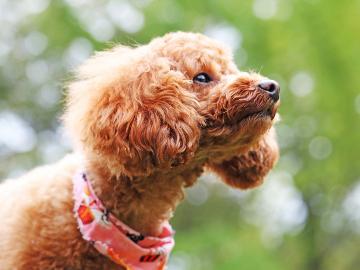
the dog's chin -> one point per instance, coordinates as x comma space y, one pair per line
254, 125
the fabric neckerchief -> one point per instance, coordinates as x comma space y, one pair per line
113, 238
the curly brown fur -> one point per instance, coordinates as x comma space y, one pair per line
143, 130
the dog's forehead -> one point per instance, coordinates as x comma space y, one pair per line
195, 52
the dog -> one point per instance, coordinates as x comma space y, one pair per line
145, 122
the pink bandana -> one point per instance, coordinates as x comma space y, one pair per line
113, 238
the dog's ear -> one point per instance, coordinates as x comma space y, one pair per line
247, 170
137, 115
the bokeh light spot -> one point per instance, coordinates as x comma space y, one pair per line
197, 194
357, 104
125, 16
101, 29
35, 6
78, 51
351, 207
35, 43
265, 9
279, 205
37, 71
305, 126
226, 34
301, 84
16, 134
320, 147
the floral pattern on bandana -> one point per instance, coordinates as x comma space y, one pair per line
113, 238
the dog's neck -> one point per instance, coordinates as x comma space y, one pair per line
143, 203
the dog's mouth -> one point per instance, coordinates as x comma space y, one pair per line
267, 113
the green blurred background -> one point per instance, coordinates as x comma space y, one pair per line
307, 214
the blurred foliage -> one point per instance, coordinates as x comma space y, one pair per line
306, 216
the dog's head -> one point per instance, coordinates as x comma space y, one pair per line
162, 105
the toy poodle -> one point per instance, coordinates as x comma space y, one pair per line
145, 123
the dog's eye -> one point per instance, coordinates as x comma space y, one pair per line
202, 78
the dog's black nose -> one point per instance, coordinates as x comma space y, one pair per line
271, 87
